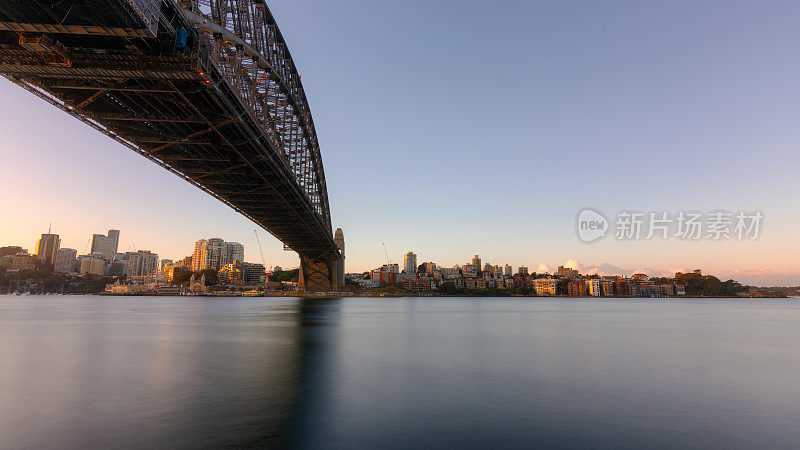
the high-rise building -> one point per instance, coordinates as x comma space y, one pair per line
214, 254
410, 263
199, 256
476, 261
47, 246
166, 263
509, 271
523, 270
143, 262
106, 244
233, 252
65, 260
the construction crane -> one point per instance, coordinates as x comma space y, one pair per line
258, 241
387, 255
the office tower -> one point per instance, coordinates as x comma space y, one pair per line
47, 246
107, 245
410, 263
65, 260
233, 252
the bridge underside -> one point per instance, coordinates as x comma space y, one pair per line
171, 104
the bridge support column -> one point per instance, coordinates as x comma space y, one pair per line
319, 273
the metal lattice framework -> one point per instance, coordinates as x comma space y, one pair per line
249, 49
207, 89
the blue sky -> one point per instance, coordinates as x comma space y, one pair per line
454, 128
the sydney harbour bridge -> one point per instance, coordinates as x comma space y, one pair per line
207, 89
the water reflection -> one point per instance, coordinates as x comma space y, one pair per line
390, 373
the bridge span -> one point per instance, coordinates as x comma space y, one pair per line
206, 89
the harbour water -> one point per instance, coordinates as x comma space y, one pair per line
181, 372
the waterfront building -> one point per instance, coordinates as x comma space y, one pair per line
47, 246
577, 288
107, 245
624, 288
607, 288
593, 287
254, 273
509, 271
410, 263
545, 286
523, 270
197, 286
65, 260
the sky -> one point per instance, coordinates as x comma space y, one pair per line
453, 128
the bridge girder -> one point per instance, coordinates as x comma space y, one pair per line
227, 113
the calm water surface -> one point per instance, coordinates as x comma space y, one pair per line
173, 372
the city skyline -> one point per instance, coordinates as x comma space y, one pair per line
717, 110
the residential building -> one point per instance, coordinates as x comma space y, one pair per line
448, 273
141, 263
214, 254
418, 285
523, 270
254, 273
545, 286
567, 272
593, 287
509, 271
47, 246
607, 288
470, 270
166, 263
577, 288
199, 256
476, 261
233, 252
410, 263
65, 260
232, 274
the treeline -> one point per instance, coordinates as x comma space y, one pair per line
45, 281
706, 285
